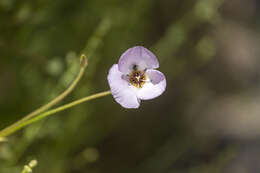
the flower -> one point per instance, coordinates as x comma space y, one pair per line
134, 78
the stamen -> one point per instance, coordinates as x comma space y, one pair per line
137, 78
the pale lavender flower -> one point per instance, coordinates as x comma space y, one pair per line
134, 78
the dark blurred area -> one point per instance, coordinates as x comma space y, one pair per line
207, 121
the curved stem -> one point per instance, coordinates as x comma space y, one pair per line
45, 107
51, 112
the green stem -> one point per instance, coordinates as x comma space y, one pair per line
51, 112
45, 107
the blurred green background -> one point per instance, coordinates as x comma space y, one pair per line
207, 121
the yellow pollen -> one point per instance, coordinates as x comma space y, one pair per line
137, 78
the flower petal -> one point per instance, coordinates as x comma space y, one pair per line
139, 57
121, 90
154, 88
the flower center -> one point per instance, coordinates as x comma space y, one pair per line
137, 78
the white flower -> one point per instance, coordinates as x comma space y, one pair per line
134, 78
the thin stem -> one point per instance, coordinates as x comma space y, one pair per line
51, 112
45, 107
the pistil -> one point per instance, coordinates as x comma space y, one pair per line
137, 78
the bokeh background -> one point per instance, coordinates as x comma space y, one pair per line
207, 121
